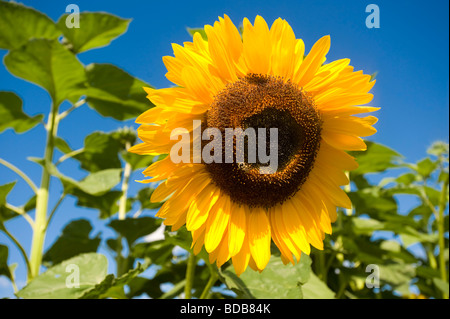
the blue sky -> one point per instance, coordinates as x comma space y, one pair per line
410, 52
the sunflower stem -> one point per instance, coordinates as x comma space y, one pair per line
441, 231
190, 271
212, 280
125, 183
40, 222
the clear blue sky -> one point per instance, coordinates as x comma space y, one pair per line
410, 51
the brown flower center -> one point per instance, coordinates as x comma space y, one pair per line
265, 102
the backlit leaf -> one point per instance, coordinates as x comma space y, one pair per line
50, 65
97, 29
12, 115
19, 23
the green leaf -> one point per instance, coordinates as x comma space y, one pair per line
138, 161
426, 166
157, 251
48, 64
141, 285
202, 32
366, 225
4, 191
377, 158
113, 287
105, 203
20, 23
100, 152
96, 184
438, 148
12, 115
144, 195
441, 285
5, 213
73, 241
135, 228
100, 182
62, 145
316, 289
115, 93
397, 274
4, 269
53, 284
97, 29
266, 285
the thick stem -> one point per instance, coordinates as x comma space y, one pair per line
190, 270
441, 230
40, 222
212, 280
125, 183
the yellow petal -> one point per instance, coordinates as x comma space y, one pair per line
217, 222
259, 236
237, 228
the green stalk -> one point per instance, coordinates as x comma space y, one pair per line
125, 183
212, 279
190, 270
441, 230
40, 222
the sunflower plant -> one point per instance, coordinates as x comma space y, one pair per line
325, 223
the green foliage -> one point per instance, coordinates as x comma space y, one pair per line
12, 115
113, 92
98, 30
4, 269
73, 241
50, 65
57, 283
266, 285
410, 248
33, 24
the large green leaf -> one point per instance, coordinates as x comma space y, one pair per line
316, 289
105, 203
100, 152
12, 115
59, 282
4, 269
96, 184
266, 285
19, 23
112, 286
157, 251
137, 161
73, 241
115, 93
135, 228
97, 29
50, 65
426, 166
377, 158
143, 197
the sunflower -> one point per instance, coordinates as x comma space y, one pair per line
262, 79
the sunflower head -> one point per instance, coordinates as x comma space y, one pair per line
255, 93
